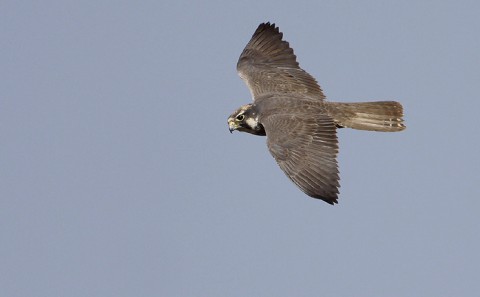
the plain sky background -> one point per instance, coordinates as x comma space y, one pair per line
118, 176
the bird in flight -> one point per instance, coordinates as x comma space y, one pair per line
289, 108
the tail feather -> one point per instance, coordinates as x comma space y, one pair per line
385, 116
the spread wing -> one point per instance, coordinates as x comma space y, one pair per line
268, 65
306, 148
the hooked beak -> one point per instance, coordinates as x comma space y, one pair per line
231, 126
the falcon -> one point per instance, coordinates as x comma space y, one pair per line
289, 108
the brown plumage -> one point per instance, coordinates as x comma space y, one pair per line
290, 109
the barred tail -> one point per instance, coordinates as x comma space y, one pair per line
385, 116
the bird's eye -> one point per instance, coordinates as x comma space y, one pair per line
240, 117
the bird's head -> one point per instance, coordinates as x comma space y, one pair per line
245, 119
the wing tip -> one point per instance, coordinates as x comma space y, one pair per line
331, 197
267, 26
329, 200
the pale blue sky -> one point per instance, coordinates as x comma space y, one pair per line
119, 177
